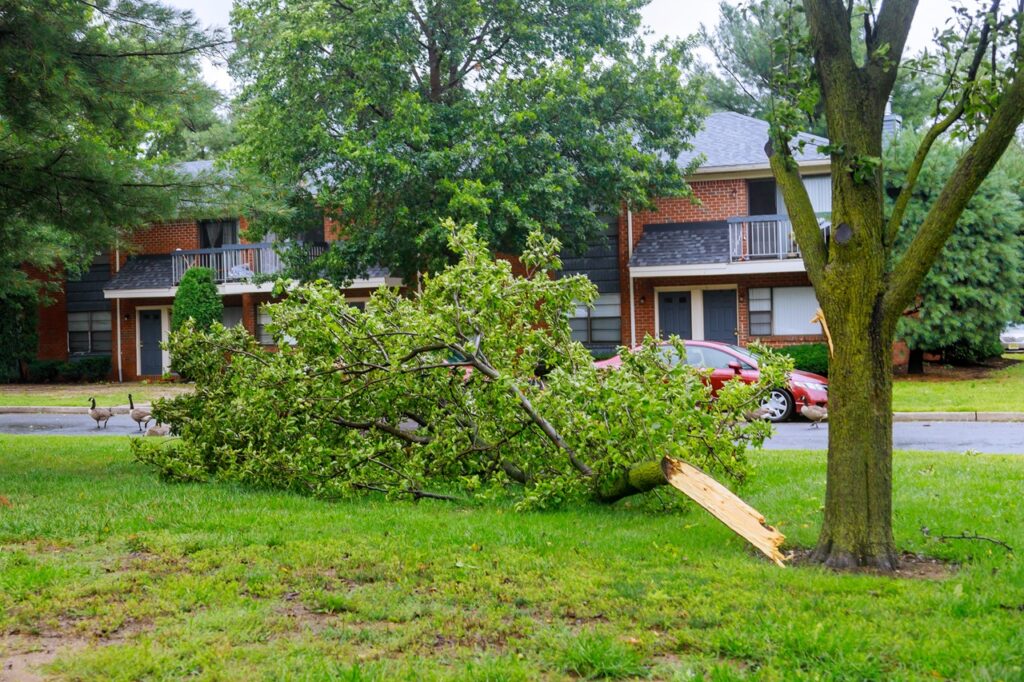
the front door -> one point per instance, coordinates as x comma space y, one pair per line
151, 332
674, 314
720, 315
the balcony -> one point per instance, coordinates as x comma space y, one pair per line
236, 262
765, 237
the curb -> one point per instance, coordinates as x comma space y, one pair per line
54, 409
958, 417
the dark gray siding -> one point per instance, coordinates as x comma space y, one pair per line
86, 293
599, 262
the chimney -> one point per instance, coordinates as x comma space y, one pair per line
891, 123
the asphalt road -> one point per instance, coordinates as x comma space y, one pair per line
988, 437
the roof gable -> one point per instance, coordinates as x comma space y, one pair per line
729, 140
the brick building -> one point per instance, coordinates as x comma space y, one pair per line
122, 305
723, 268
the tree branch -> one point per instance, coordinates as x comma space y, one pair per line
941, 219
900, 207
801, 214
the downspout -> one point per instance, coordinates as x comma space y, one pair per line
629, 257
117, 301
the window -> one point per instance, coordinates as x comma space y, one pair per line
760, 312
262, 335
231, 316
602, 324
213, 234
89, 332
782, 311
263, 319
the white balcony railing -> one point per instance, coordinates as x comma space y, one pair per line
765, 237
236, 262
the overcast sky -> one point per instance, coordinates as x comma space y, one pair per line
678, 18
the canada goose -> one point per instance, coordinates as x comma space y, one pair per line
100, 414
754, 415
158, 430
140, 416
815, 413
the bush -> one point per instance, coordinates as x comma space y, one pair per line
971, 352
18, 336
810, 357
88, 369
197, 299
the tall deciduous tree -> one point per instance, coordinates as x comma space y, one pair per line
83, 87
863, 287
513, 115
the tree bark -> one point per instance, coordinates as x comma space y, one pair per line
639, 478
857, 528
915, 361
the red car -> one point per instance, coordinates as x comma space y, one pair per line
727, 362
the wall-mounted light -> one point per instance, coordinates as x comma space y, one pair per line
127, 317
643, 299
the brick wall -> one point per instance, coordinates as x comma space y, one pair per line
52, 323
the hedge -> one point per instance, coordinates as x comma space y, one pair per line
87, 369
809, 357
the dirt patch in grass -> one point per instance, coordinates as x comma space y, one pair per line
24, 655
911, 566
934, 371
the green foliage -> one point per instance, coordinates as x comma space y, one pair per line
197, 300
18, 337
810, 357
86, 87
977, 284
440, 391
516, 116
86, 369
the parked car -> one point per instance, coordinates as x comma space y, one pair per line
1012, 338
728, 362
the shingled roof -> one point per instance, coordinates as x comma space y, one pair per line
143, 272
729, 139
682, 244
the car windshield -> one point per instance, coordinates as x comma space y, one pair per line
745, 354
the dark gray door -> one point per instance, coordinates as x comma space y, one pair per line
674, 314
720, 316
150, 334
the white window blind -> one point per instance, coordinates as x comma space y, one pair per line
793, 309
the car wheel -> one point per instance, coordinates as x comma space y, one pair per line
779, 404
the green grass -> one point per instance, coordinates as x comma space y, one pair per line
1001, 391
77, 395
145, 580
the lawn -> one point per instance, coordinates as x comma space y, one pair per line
1001, 390
77, 395
129, 578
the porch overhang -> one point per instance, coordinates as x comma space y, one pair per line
738, 269
235, 288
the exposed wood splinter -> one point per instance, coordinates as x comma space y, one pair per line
725, 506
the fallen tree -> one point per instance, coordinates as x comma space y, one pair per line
472, 385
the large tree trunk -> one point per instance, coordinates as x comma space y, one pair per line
857, 530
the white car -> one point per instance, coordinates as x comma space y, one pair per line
1012, 338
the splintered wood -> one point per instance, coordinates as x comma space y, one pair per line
725, 506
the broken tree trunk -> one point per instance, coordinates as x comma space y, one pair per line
725, 506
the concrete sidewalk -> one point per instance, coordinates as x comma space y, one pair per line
897, 416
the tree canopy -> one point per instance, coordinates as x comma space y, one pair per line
977, 284
512, 115
84, 86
